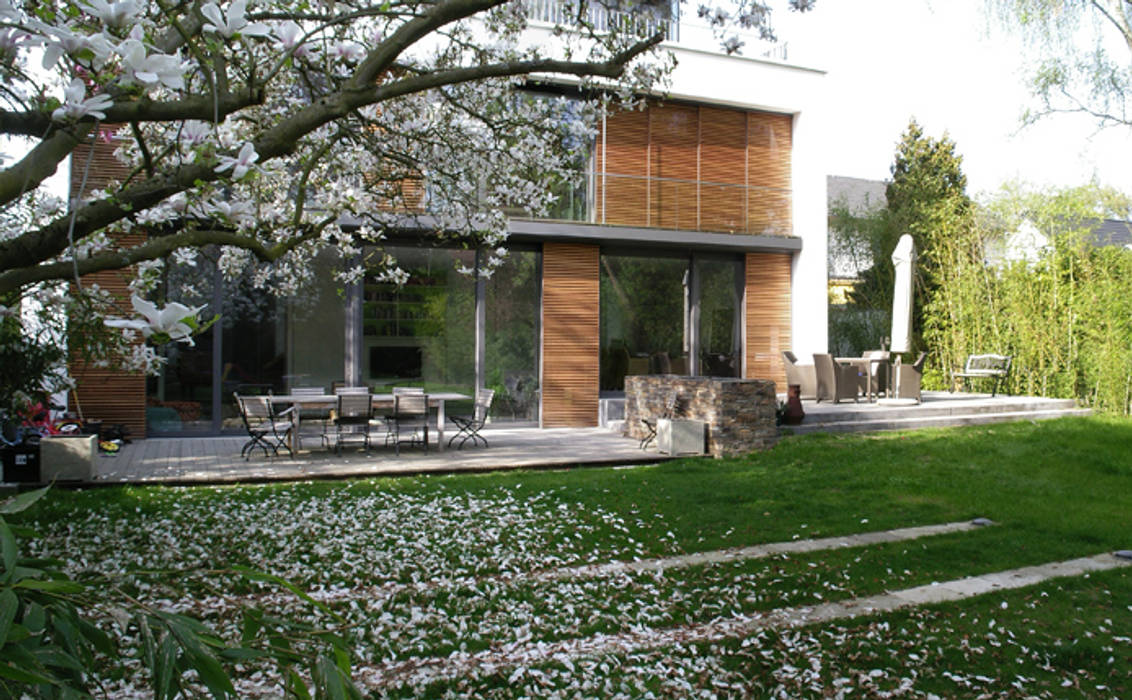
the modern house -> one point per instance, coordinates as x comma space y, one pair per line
697, 247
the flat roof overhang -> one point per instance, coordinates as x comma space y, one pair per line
530, 230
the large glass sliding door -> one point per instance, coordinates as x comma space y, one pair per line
244, 352
443, 331
669, 314
181, 399
718, 315
644, 309
421, 333
316, 328
511, 336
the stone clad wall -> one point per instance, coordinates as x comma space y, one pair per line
740, 413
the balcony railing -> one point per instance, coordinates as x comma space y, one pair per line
672, 203
643, 20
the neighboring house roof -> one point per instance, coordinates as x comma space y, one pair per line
1113, 232
860, 195
1026, 243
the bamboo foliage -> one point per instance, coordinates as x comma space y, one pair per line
1064, 313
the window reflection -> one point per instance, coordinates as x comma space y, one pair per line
423, 332
644, 306
511, 297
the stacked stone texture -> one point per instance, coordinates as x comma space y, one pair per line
739, 413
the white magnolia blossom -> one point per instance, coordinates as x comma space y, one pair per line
234, 22
114, 14
169, 321
76, 107
241, 163
290, 35
151, 69
59, 42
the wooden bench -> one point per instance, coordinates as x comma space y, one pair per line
993, 367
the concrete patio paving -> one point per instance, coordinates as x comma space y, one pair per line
182, 460
211, 460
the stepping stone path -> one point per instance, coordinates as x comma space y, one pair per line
486, 662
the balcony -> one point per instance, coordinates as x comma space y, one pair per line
670, 203
644, 19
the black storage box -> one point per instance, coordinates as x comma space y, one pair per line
21, 463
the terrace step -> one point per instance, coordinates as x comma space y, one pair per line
876, 423
933, 407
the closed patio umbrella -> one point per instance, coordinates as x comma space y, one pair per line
903, 258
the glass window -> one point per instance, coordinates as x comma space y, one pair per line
644, 307
720, 287
179, 400
511, 336
421, 333
316, 328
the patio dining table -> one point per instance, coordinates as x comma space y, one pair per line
864, 366
435, 400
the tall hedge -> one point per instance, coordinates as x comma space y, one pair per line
1064, 312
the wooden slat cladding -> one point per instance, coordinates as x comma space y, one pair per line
674, 166
723, 170
767, 316
570, 335
104, 167
769, 144
109, 395
625, 160
705, 169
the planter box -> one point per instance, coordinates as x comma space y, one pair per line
21, 463
69, 458
680, 437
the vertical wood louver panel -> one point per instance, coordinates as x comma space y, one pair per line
768, 212
674, 166
104, 167
767, 316
623, 158
723, 170
570, 335
696, 168
768, 149
109, 395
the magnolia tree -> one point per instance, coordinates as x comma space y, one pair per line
274, 129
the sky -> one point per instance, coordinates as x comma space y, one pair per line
945, 64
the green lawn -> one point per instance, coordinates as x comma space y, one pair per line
430, 567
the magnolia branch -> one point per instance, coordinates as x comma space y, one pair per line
154, 249
40, 163
203, 108
48, 242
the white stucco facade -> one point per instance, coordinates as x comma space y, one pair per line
750, 83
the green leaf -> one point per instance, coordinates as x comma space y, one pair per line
165, 669
334, 684
242, 654
51, 656
23, 675
342, 659
20, 503
202, 660
253, 623
9, 550
254, 575
9, 606
51, 586
35, 618
99, 639
296, 686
